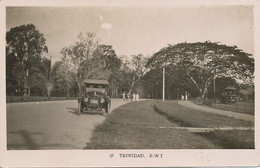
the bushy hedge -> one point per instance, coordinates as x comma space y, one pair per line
11, 99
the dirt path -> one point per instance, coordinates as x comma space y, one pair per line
50, 125
245, 117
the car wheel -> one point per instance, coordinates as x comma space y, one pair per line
79, 108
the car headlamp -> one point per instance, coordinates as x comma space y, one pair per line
102, 100
86, 99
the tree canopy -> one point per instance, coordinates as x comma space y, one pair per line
24, 48
87, 59
190, 67
203, 61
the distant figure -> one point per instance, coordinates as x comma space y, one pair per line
123, 96
182, 97
128, 96
134, 98
137, 97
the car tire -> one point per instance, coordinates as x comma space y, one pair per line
79, 108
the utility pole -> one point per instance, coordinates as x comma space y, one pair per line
163, 83
214, 84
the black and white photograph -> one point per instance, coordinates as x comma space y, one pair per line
129, 84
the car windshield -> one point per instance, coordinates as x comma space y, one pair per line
95, 89
93, 93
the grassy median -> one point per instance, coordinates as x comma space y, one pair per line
232, 139
149, 125
195, 118
137, 126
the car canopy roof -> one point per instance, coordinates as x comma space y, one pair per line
95, 81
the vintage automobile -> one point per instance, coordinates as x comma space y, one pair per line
229, 95
94, 98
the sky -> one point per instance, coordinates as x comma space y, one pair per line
134, 30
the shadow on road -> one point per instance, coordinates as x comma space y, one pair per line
75, 111
28, 140
23, 140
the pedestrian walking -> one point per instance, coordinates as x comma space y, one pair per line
182, 97
124, 96
137, 97
134, 98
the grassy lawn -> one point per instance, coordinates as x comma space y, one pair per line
194, 118
246, 107
233, 139
136, 126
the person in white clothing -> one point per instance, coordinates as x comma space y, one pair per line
134, 97
137, 97
124, 96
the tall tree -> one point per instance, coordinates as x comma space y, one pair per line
62, 77
82, 59
76, 55
46, 75
26, 44
137, 69
108, 56
111, 64
204, 61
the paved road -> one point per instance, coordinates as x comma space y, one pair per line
50, 125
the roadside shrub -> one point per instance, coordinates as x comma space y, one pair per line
12, 99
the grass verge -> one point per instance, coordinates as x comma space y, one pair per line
233, 139
137, 126
244, 107
194, 118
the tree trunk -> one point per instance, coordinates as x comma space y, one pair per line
80, 87
156, 96
68, 91
24, 78
79, 83
29, 91
205, 89
29, 88
178, 90
195, 83
133, 83
116, 92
